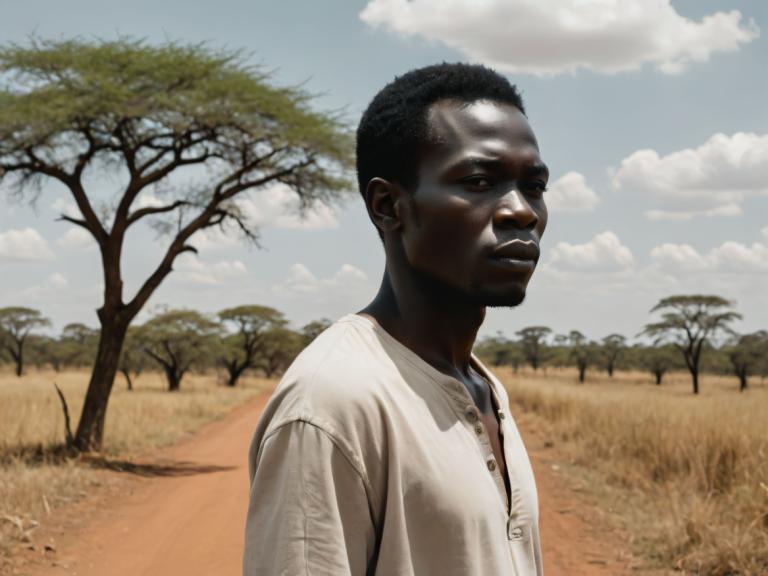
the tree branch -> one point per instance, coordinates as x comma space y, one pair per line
75, 221
151, 210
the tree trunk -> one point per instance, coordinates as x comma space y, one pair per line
234, 371
610, 370
582, 371
128, 379
659, 375
742, 380
174, 379
19, 364
90, 430
695, 379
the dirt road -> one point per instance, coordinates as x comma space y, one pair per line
183, 513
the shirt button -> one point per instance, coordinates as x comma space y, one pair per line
516, 533
479, 429
491, 465
501, 415
471, 415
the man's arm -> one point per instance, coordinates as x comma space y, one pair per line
308, 512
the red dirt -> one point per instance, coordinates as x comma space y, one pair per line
182, 512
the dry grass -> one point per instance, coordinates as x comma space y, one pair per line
686, 476
34, 474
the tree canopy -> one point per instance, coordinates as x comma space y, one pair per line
690, 321
177, 340
16, 324
74, 108
241, 350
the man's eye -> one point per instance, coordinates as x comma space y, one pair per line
536, 187
478, 181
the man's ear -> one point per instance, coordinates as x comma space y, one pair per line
383, 199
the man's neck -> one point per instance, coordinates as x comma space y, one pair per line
439, 328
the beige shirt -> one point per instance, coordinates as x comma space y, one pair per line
369, 461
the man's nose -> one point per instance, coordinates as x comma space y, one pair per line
514, 210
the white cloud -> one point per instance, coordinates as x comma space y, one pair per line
57, 280
191, 269
711, 180
603, 253
148, 200
546, 37
301, 281
278, 206
76, 238
729, 257
52, 286
66, 207
216, 238
24, 245
570, 193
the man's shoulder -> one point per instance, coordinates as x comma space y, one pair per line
340, 375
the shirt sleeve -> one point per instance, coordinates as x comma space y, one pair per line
308, 510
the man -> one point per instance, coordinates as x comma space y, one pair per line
388, 448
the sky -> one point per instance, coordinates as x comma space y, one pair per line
652, 116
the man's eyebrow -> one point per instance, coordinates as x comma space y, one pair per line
473, 161
538, 169
490, 163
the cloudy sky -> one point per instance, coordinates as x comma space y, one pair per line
652, 115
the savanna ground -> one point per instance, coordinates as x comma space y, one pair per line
36, 477
631, 475
684, 477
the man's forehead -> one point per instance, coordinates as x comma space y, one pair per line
453, 121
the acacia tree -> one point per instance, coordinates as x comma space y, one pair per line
312, 330
612, 348
177, 340
659, 360
241, 350
532, 342
745, 353
690, 322
133, 358
281, 346
70, 109
580, 350
77, 344
16, 324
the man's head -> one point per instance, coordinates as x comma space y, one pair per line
451, 175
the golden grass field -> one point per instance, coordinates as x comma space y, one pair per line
685, 477
34, 478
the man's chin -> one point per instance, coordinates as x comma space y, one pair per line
506, 299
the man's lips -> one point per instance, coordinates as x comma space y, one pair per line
517, 250
517, 255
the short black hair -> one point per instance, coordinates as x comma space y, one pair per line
394, 127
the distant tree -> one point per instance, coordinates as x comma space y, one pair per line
177, 340
241, 349
498, 350
312, 330
16, 324
581, 351
612, 348
533, 342
659, 360
133, 358
78, 344
690, 322
281, 347
71, 107
745, 353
